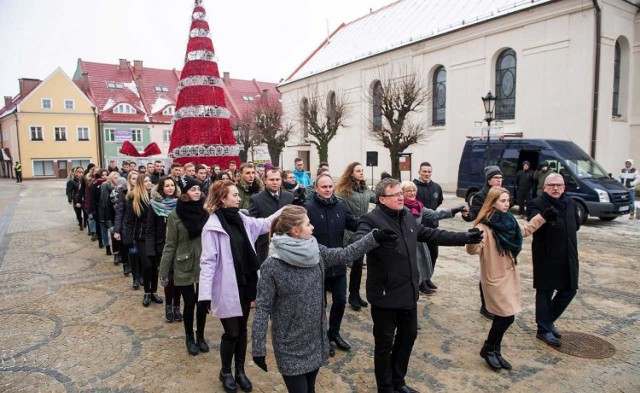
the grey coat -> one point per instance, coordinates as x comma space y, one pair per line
294, 299
425, 264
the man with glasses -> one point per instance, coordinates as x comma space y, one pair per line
392, 281
493, 177
555, 257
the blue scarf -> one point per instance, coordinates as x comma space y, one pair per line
164, 207
507, 233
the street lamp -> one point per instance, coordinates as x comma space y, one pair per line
489, 102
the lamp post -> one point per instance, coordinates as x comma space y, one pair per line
489, 102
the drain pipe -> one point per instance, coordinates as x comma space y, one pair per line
596, 79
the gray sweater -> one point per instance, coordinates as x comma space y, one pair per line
294, 299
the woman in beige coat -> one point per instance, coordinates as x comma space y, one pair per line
500, 279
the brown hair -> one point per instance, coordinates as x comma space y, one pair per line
346, 184
246, 165
487, 210
291, 217
160, 187
218, 191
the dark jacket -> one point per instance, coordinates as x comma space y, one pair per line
134, 227
155, 234
94, 201
117, 201
392, 272
155, 177
329, 221
476, 203
263, 205
430, 194
73, 187
555, 247
104, 202
524, 180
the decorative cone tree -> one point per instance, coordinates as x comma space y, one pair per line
202, 131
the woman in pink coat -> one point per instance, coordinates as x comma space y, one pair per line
229, 275
500, 279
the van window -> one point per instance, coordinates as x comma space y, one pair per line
585, 168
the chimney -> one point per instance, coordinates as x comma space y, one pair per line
7, 101
226, 77
26, 85
265, 94
85, 81
123, 64
137, 67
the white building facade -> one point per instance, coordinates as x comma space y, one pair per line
539, 57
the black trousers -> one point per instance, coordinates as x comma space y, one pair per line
498, 329
394, 332
233, 345
481, 295
190, 297
355, 277
549, 307
171, 292
523, 197
338, 287
79, 212
433, 251
150, 266
135, 260
305, 383
19, 177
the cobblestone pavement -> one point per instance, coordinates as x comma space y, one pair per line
70, 321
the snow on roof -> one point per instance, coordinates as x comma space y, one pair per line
159, 104
399, 24
109, 104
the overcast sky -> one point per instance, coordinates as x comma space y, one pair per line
258, 39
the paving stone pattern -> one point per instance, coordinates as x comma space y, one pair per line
70, 321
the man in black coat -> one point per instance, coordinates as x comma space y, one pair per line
555, 257
267, 202
524, 185
392, 282
329, 218
158, 172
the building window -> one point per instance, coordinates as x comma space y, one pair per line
439, 93
247, 98
83, 133
169, 111
69, 104
376, 105
166, 136
161, 89
136, 135
47, 103
616, 81
115, 85
60, 133
109, 135
124, 108
80, 163
506, 85
36, 133
43, 168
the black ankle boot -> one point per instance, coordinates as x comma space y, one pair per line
168, 313
240, 356
192, 348
126, 269
202, 345
503, 362
116, 259
109, 250
354, 303
242, 380
227, 350
228, 384
488, 352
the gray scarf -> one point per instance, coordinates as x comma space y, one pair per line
296, 252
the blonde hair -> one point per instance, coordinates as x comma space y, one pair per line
487, 210
408, 184
291, 217
112, 178
130, 185
139, 195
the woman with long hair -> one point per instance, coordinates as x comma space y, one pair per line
353, 191
181, 255
103, 192
73, 188
229, 275
163, 202
499, 276
118, 224
291, 295
84, 200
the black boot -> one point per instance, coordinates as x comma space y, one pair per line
177, 315
503, 362
361, 301
240, 356
192, 348
109, 250
202, 345
227, 349
488, 352
116, 259
168, 313
126, 269
354, 303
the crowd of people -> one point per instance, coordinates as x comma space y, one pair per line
224, 241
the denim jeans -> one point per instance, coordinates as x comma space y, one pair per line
92, 223
632, 200
106, 238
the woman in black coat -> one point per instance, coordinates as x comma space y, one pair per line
94, 202
119, 201
73, 188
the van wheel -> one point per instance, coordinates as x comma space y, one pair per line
583, 214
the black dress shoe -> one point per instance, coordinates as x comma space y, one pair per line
332, 352
340, 343
405, 389
126, 269
424, 289
354, 303
146, 299
556, 333
549, 338
136, 284
486, 313
431, 285
156, 299
361, 301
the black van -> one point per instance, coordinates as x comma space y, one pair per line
586, 182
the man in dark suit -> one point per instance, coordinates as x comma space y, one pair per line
267, 202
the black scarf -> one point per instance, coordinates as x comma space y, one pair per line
506, 232
245, 259
332, 200
560, 204
396, 215
289, 186
193, 216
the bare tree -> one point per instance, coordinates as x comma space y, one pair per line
269, 128
245, 133
394, 100
321, 116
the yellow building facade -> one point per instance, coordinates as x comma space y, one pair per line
52, 129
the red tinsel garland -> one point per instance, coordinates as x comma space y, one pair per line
199, 67
201, 95
199, 43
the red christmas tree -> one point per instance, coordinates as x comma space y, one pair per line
202, 130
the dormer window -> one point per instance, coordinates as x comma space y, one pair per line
115, 85
169, 111
247, 98
124, 108
161, 89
